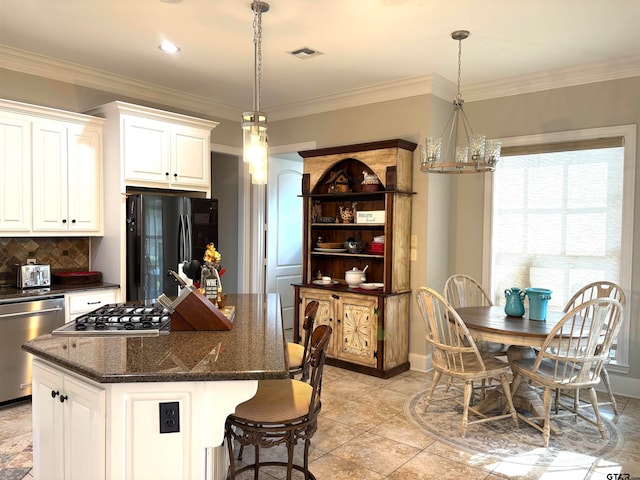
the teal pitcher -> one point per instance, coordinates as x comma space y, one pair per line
515, 305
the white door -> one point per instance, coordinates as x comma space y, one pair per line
284, 232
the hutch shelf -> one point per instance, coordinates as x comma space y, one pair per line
370, 325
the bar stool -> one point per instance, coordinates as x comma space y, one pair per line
282, 412
298, 354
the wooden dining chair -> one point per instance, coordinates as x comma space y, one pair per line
298, 354
601, 289
571, 358
282, 412
454, 353
464, 291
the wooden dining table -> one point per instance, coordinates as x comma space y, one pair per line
493, 325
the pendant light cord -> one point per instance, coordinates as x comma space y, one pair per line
257, 44
459, 95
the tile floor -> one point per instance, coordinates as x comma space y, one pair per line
363, 434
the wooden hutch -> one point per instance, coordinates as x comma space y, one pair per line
370, 325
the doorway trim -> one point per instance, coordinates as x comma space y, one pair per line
251, 217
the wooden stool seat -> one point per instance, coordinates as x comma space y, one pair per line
295, 354
277, 401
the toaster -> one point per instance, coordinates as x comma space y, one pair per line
33, 275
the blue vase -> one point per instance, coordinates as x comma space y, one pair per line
515, 305
538, 299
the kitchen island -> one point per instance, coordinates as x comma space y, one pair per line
100, 403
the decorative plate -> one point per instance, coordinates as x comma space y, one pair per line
371, 286
320, 282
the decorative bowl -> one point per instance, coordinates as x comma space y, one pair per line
354, 246
354, 277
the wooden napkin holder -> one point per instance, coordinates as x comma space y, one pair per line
194, 311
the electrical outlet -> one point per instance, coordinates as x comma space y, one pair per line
169, 417
31, 260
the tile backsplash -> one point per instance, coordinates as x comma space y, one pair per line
63, 254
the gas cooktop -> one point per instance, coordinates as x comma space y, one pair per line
120, 319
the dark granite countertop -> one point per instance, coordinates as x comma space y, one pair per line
253, 349
8, 294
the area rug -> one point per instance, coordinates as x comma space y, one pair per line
13, 473
579, 444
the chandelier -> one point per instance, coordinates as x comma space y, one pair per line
254, 123
444, 155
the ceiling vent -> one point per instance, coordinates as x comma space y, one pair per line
305, 53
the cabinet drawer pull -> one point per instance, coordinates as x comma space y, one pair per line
94, 303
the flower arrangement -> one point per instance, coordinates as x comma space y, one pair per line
212, 257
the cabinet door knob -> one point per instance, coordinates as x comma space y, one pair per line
73, 221
166, 173
63, 398
54, 394
175, 175
64, 220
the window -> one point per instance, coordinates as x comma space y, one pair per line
561, 215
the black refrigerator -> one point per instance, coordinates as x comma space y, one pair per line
164, 231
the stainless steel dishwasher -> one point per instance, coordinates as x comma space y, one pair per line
20, 321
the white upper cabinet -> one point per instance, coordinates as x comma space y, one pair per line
84, 179
15, 173
51, 164
160, 149
190, 157
145, 144
67, 169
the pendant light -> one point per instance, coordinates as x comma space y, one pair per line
254, 123
444, 155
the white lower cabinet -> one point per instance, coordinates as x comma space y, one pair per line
77, 304
83, 430
69, 426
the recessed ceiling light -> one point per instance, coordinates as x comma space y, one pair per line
168, 47
305, 53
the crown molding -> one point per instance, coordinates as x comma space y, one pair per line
47, 67
612, 69
408, 87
